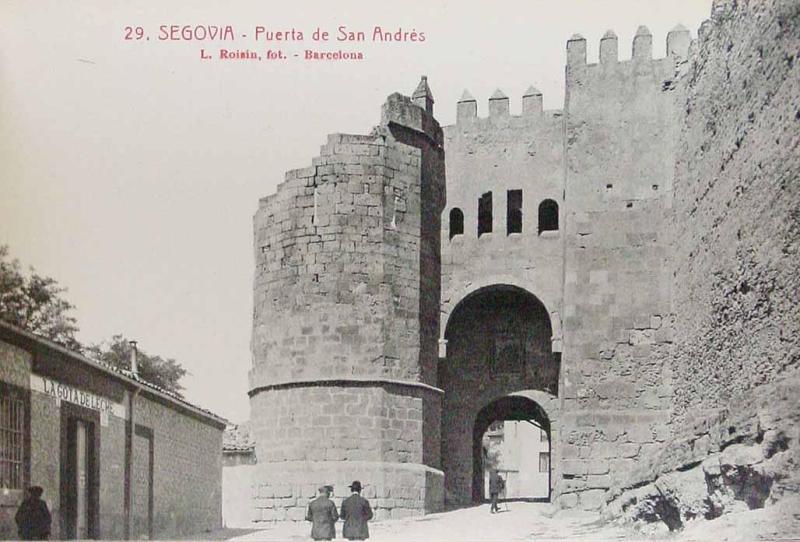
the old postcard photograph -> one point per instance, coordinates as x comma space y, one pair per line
421, 271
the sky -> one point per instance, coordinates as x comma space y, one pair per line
130, 169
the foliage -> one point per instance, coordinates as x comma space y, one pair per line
35, 303
163, 372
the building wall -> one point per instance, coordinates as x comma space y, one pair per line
15, 366
188, 451
519, 464
736, 207
187, 469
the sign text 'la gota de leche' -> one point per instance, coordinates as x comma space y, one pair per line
86, 399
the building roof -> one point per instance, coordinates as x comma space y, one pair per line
11, 332
236, 438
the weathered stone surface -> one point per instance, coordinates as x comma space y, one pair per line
662, 308
345, 316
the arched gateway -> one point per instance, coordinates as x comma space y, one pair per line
499, 365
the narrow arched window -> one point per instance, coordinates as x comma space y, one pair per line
548, 216
485, 214
456, 222
514, 211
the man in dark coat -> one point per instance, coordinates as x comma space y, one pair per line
33, 517
356, 512
322, 515
496, 486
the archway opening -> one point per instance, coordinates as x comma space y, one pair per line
499, 344
512, 436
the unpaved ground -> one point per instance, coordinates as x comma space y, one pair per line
542, 523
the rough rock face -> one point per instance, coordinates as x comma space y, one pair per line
743, 459
735, 288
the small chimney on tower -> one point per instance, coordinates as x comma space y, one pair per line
134, 360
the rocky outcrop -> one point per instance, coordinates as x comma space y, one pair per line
743, 457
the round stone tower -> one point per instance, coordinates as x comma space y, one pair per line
345, 322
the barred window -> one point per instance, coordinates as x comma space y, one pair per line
12, 428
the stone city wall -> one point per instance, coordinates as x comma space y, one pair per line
620, 143
734, 276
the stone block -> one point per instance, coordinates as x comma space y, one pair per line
597, 467
568, 501
265, 491
574, 468
592, 499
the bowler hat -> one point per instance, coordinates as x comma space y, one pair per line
355, 486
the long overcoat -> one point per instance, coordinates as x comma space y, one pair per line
322, 515
496, 483
33, 519
356, 512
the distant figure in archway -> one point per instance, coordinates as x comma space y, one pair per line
496, 486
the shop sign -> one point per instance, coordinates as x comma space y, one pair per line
64, 392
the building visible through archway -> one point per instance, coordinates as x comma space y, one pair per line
498, 345
498, 419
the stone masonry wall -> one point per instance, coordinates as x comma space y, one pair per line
737, 204
497, 153
620, 132
735, 276
355, 431
346, 314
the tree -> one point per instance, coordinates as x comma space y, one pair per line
163, 372
35, 303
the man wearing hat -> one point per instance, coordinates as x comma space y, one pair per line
33, 517
356, 512
322, 515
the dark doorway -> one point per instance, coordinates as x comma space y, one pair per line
142, 480
80, 447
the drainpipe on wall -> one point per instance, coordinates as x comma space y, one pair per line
129, 430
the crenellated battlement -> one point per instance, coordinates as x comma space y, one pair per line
587, 78
499, 108
678, 41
